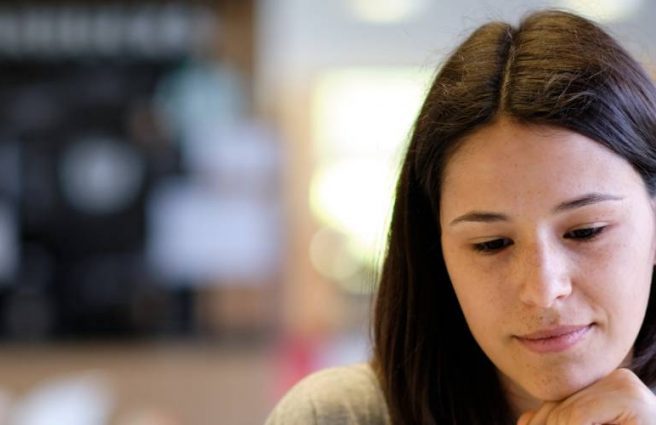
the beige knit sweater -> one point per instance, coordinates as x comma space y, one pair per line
348, 395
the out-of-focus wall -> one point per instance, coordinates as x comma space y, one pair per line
140, 211
140, 194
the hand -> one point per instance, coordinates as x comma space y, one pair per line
618, 399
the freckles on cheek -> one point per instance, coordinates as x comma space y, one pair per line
481, 297
616, 264
478, 283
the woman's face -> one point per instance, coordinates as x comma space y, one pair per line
548, 238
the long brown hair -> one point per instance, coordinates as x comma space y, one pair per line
555, 69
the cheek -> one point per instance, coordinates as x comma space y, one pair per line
618, 280
480, 293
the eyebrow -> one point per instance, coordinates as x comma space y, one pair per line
491, 217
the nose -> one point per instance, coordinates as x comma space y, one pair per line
543, 274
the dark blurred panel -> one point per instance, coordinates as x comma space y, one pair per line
82, 146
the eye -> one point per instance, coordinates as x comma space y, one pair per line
492, 246
585, 234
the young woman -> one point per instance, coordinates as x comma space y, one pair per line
517, 284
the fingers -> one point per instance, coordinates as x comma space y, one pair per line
526, 418
538, 417
619, 398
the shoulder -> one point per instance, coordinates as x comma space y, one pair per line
342, 395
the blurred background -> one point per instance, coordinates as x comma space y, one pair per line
194, 194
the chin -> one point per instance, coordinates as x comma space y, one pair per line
559, 386
555, 392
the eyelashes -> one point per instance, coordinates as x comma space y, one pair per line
587, 233
492, 246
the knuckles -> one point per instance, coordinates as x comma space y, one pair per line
622, 387
627, 383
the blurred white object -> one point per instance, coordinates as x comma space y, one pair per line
79, 400
196, 236
224, 223
603, 10
200, 95
101, 176
387, 11
246, 155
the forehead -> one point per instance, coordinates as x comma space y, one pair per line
506, 144
511, 165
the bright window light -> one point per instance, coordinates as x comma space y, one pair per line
354, 196
365, 111
362, 119
603, 10
386, 11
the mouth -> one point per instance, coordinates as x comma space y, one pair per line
553, 340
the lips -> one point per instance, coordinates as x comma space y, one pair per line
554, 339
